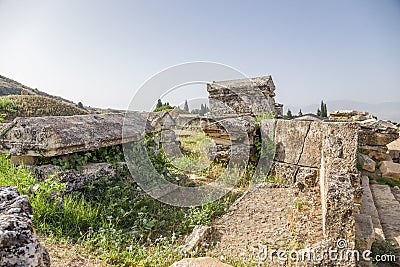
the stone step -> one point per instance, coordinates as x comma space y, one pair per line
365, 234
368, 208
389, 213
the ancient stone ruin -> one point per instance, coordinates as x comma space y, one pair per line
310, 194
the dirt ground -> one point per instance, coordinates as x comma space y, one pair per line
69, 255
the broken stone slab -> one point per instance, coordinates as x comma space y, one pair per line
350, 115
394, 150
367, 163
390, 169
377, 133
19, 246
377, 153
311, 154
289, 139
365, 234
200, 262
54, 136
74, 179
244, 96
197, 239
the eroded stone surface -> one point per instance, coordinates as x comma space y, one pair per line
74, 179
243, 96
339, 180
19, 246
390, 169
53, 136
367, 163
290, 137
350, 115
377, 153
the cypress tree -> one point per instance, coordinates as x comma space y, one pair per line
289, 114
186, 106
159, 103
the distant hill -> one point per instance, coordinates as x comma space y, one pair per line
386, 111
18, 100
12, 106
11, 87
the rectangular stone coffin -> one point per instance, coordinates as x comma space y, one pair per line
54, 136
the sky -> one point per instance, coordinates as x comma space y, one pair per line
101, 52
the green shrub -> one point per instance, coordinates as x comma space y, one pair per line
112, 217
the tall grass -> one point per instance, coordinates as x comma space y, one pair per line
112, 217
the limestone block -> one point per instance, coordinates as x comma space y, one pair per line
367, 163
290, 137
377, 133
365, 234
284, 171
54, 136
196, 239
24, 160
350, 115
74, 179
311, 154
394, 149
377, 153
19, 246
390, 169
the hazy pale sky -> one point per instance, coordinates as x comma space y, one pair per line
100, 52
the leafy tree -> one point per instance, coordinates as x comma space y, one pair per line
289, 114
186, 106
318, 112
80, 105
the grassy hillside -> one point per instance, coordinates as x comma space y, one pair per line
11, 87
13, 106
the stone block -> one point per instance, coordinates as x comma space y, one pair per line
54, 136
390, 169
19, 246
289, 138
367, 163
377, 153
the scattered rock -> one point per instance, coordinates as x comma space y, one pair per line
74, 179
350, 115
394, 150
197, 238
367, 163
200, 262
390, 169
377, 153
19, 245
377, 133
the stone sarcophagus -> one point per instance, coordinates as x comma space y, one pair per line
242, 97
55, 136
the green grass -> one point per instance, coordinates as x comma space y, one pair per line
112, 217
375, 179
35, 106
